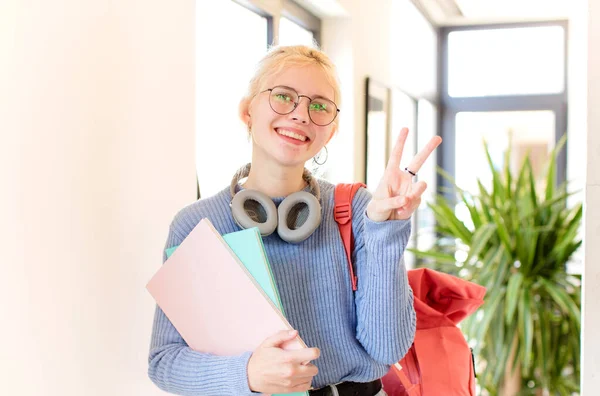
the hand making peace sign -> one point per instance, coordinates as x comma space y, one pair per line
397, 196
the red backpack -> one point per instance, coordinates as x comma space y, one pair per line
439, 362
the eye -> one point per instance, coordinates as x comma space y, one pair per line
315, 106
282, 97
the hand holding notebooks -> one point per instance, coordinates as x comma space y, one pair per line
248, 247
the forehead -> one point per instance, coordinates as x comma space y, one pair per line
310, 81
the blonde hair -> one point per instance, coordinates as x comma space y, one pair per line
280, 57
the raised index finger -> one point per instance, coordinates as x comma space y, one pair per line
396, 155
420, 158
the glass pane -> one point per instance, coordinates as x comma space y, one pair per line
530, 132
506, 61
222, 144
427, 128
290, 33
377, 133
403, 113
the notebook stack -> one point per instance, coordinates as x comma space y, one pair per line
219, 292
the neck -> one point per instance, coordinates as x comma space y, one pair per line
275, 180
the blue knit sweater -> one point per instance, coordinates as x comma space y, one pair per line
360, 334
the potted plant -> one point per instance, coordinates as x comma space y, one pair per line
516, 241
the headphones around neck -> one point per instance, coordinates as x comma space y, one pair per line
296, 218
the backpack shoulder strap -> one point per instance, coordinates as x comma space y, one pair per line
342, 213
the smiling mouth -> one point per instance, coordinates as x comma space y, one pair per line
293, 135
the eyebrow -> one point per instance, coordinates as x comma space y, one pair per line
312, 97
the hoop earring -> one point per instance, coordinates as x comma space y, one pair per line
319, 156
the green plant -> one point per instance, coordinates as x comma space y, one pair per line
516, 241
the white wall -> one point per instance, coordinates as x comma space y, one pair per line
591, 291
97, 154
390, 41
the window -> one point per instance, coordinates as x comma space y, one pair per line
224, 67
376, 132
389, 109
290, 33
497, 81
426, 129
403, 114
528, 60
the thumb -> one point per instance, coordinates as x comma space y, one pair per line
279, 338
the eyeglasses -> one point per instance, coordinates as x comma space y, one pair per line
283, 100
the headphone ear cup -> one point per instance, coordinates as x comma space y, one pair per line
241, 217
310, 225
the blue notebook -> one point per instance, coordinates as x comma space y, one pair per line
248, 246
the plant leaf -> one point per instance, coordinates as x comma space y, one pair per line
551, 173
531, 179
433, 255
512, 295
525, 311
498, 190
489, 310
542, 341
480, 239
564, 301
445, 215
507, 173
503, 233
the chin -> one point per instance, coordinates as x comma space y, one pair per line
291, 162
286, 157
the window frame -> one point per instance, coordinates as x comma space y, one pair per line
451, 106
283, 9
303, 18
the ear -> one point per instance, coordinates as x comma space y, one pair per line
244, 110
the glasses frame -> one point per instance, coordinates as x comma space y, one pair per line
337, 110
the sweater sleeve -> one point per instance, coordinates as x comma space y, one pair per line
386, 319
176, 368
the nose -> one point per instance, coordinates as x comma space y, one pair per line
300, 113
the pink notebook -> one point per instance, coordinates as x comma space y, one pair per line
212, 300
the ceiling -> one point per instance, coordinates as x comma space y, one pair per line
324, 8
462, 12
466, 12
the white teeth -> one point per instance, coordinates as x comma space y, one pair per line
291, 134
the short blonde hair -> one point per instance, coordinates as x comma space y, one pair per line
280, 57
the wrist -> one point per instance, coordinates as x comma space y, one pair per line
250, 374
375, 216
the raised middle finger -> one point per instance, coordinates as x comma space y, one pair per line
421, 157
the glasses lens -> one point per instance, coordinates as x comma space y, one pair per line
322, 111
283, 100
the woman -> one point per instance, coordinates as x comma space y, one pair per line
291, 111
